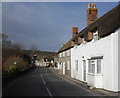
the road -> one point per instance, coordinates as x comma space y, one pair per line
41, 81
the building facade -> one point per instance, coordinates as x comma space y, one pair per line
64, 55
96, 62
94, 50
94, 58
64, 64
46, 62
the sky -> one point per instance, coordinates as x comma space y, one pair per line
47, 25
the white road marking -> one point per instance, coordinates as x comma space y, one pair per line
49, 92
46, 86
43, 79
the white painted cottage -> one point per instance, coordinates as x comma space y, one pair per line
94, 50
94, 57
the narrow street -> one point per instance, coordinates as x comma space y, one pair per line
41, 81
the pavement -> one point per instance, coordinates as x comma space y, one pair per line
42, 81
100, 92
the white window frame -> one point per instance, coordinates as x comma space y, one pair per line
64, 54
60, 54
60, 65
75, 46
99, 70
68, 52
76, 64
68, 65
95, 36
93, 66
83, 41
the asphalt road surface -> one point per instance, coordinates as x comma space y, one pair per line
41, 81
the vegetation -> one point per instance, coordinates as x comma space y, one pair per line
15, 58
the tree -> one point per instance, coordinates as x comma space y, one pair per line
5, 42
14, 52
33, 49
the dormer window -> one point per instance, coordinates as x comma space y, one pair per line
83, 41
75, 46
95, 36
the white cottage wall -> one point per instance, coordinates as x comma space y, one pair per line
102, 47
114, 51
119, 59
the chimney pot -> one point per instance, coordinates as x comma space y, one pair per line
92, 13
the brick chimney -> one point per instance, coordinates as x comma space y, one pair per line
74, 31
92, 13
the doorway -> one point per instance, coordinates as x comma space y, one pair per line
63, 67
84, 70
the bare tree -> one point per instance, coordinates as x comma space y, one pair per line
33, 47
18, 46
6, 43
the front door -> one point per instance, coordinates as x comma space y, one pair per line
84, 70
63, 67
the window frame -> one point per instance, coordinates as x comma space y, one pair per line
99, 70
95, 35
60, 54
68, 52
63, 53
68, 65
93, 66
83, 41
76, 64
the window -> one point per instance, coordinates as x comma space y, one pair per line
83, 41
95, 35
60, 54
60, 65
63, 54
76, 64
99, 66
91, 66
94, 66
68, 53
68, 65
75, 46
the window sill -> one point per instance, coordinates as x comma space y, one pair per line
93, 74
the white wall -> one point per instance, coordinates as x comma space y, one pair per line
114, 51
119, 59
106, 47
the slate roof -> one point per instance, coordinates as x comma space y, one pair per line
105, 25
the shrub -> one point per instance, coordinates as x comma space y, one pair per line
13, 68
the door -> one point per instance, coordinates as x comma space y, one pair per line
84, 70
63, 67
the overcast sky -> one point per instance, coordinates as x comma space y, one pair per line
47, 25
